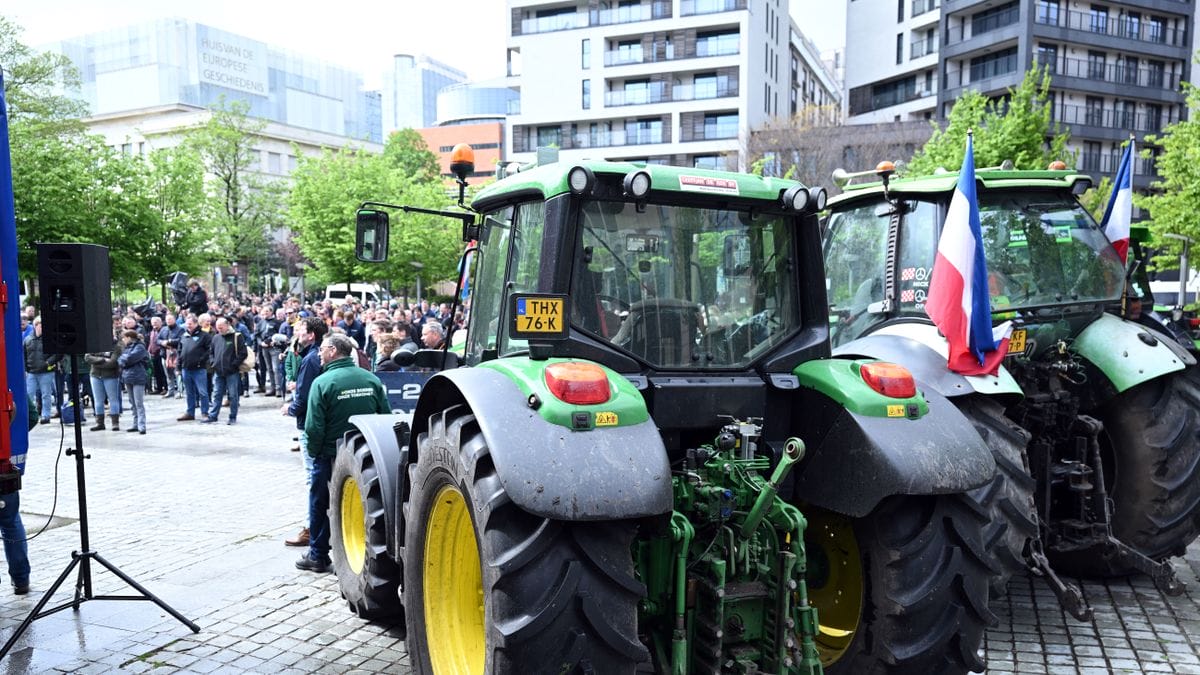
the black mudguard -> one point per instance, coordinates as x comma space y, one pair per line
604, 474
855, 461
381, 434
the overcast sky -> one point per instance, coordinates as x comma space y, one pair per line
359, 34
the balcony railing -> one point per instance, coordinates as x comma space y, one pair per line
718, 47
1142, 31
655, 93
1110, 118
923, 47
624, 57
696, 92
993, 68
655, 10
712, 132
1110, 162
1008, 17
693, 7
603, 139
1117, 73
919, 7
549, 24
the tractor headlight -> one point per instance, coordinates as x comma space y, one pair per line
637, 184
795, 198
580, 180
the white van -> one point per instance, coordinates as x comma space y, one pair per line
364, 293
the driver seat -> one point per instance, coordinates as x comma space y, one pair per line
663, 331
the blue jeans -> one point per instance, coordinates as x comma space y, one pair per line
41, 386
106, 388
318, 508
16, 550
137, 402
195, 382
226, 385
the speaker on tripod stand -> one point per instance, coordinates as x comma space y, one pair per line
77, 319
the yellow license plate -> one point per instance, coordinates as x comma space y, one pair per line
540, 315
1016, 343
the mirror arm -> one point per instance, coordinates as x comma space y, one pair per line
470, 229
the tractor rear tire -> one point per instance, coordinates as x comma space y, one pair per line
1153, 435
492, 588
1008, 497
924, 587
367, 575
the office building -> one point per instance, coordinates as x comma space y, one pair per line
410, 91
1116, 67
471, 113
672, 81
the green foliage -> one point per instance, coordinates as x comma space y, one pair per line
1095, 200
406, 152
33, 83
1175, 201
325, 195
1015, 128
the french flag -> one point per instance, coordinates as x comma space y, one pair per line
1119, 213
958, 299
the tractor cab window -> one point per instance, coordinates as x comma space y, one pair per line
527, 269
685, 288
918, 248
1043, 248
855, 262
488, 286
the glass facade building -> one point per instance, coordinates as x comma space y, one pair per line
474, 102
173, 61
411, 89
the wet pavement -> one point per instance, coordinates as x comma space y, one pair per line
197, 514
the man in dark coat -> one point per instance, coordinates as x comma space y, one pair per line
195, 352
228, 351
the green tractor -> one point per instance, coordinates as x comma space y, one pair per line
611, 475
1094, 419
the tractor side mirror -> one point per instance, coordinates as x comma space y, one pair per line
735, 258
371, 236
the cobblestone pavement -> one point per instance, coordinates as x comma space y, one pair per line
197, 513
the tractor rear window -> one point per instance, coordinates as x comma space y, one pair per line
685, 288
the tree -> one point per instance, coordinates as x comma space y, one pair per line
175, 192
1176, 198
33, 83
242, 206
1016, 127
406, 152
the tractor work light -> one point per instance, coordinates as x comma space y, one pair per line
820, 197
577, 383
580, 180
890, 379
637, 184
795, 198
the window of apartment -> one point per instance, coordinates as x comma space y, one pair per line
646, 130
1154, 113
1047, 12
899, 47
1094, 115
994, 64
629, 51
1129, 70
637, 91
1131, 25
892, 93
704, 85
928, 83
720, 125
993, 18
549, 136
273, 163
1095, 70
795, 69
1126, 115
1156, 73
586, 54
1047, 55
899, 12
291, 163
1156, 29
1098, 19
707, 162
1091, 157
717, 43
587, 94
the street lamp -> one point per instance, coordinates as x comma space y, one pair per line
1184, 272
418, 266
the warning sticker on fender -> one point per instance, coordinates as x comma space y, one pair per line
725, 186
606, 419
895, 411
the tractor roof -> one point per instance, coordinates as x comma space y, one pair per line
551, 179
945, 182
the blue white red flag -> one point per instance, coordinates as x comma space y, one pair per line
14, 435
958, 299
1119, 214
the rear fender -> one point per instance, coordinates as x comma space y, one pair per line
381, 432
918, 347
1118, 348
602, 473
855, 460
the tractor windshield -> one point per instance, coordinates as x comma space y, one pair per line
1043, 248
685, 288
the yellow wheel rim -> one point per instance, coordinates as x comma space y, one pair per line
354, 526
453, 587
835, 582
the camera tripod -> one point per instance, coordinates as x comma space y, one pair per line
83, 558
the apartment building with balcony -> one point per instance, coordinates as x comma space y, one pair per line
1116, 67
666, 81
892, 60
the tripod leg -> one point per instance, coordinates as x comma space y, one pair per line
37, 609
148, 595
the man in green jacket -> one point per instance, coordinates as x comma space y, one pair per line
341, 390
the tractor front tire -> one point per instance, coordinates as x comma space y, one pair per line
1153, 441
367, 575
1008, 497
492, 588
921, 600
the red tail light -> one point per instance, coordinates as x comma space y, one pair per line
889, 379
1194, 322
577, 383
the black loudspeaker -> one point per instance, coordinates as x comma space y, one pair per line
76, 295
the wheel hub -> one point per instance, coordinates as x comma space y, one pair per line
354, 525
453, 587
837, 589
